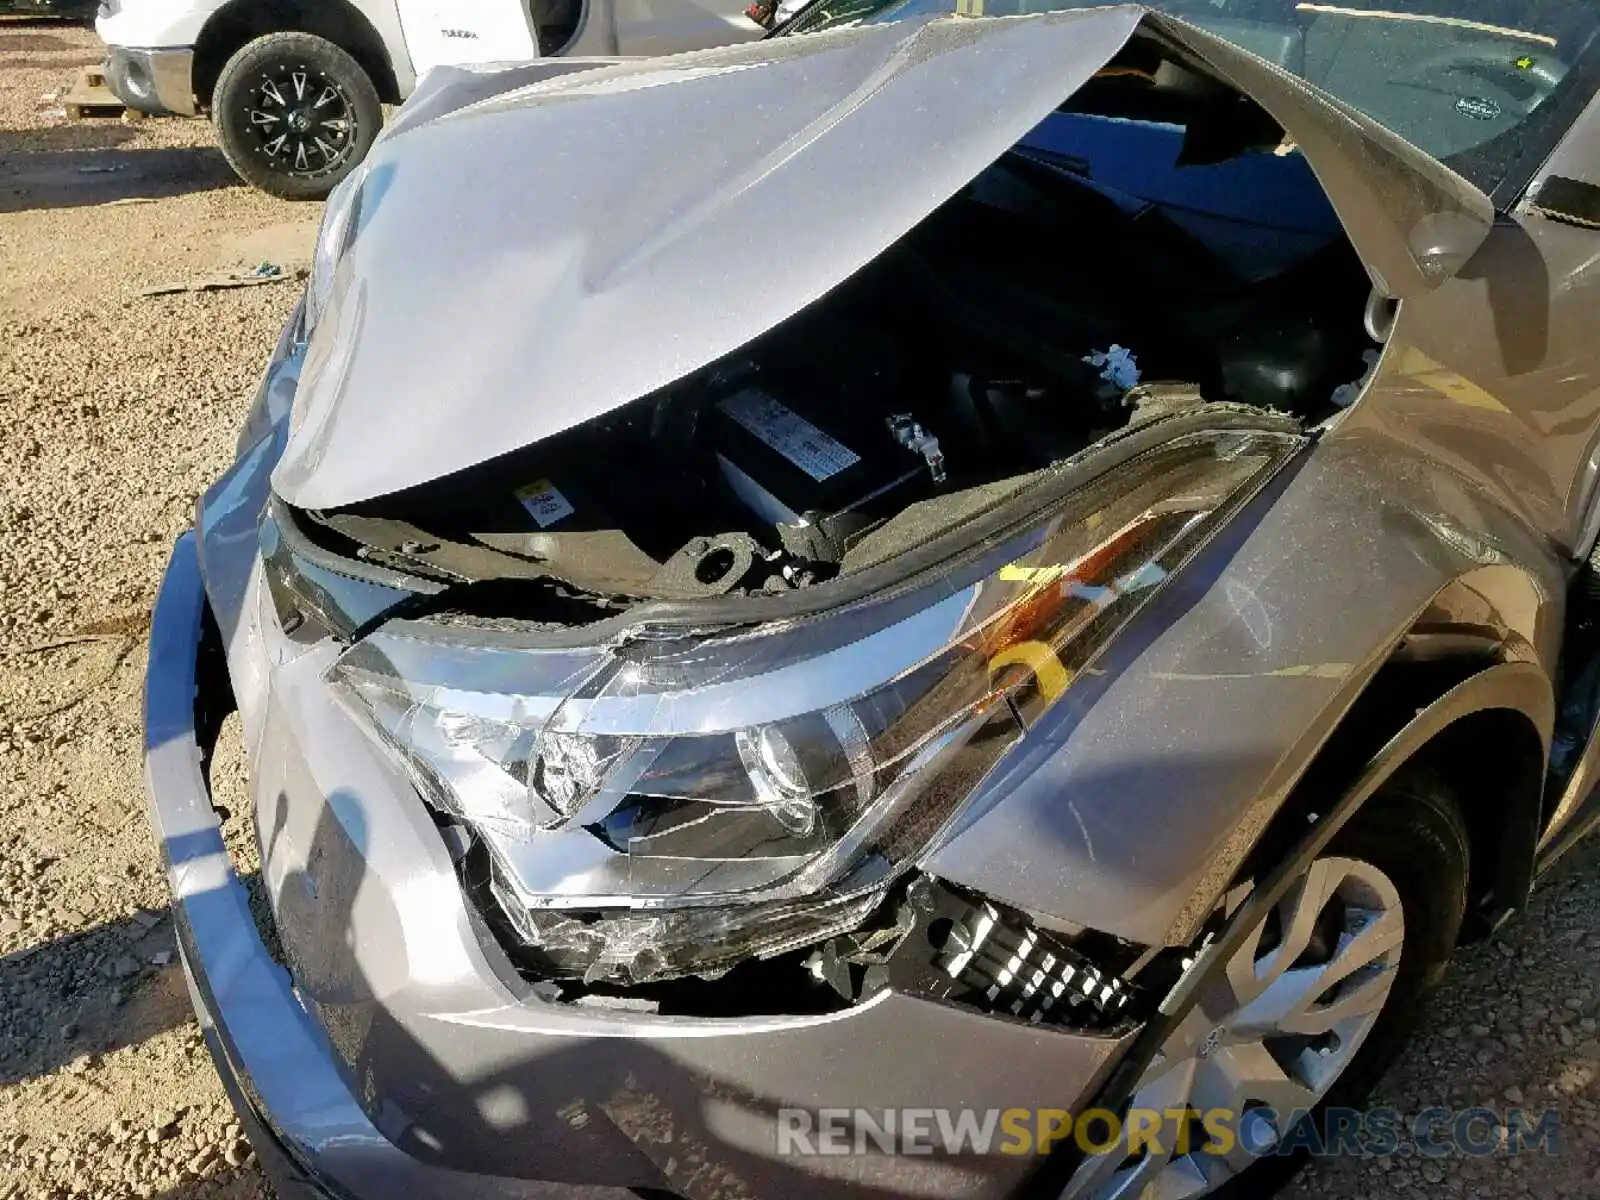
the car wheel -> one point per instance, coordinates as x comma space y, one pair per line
1309, 1013
294, 114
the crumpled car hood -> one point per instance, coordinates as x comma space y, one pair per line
532, 248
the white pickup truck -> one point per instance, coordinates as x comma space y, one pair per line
296, 86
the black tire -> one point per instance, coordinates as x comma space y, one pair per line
1412, 830
294, 114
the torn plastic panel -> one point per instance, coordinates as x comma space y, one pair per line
339, 593
667, 808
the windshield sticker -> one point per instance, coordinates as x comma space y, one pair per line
790, 434
1479, 108
545, 504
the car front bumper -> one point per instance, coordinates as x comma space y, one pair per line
311, 1135
507, 1095
159, 81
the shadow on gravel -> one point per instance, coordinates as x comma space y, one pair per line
51, 62
113, 985
81, 167
233, 1183
88, 993
9, 22
18, 144
33, 41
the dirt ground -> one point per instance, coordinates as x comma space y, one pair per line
116, 411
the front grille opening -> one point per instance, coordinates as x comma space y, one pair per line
925, 939
977, 953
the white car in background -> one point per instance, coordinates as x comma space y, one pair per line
296, 86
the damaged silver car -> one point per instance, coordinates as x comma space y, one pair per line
931, 564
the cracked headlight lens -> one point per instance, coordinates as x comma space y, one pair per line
673, 804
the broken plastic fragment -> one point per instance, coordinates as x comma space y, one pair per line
1117, 366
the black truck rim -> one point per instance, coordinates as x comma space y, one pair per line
302, 121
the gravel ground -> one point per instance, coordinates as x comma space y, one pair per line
116, 412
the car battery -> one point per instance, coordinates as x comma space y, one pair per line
820, 474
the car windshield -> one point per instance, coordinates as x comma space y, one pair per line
1478, 84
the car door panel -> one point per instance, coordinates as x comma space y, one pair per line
466, 31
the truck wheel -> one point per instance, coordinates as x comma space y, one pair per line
294, 114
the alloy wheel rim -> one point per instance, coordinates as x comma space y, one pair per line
1271, 1033
303, 122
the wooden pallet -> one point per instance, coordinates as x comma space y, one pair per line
90, 97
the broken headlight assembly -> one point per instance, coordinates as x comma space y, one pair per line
669, 806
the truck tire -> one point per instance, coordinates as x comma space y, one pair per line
294, 114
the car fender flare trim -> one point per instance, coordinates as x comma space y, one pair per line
1516, 686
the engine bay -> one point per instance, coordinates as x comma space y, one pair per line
1027, 317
